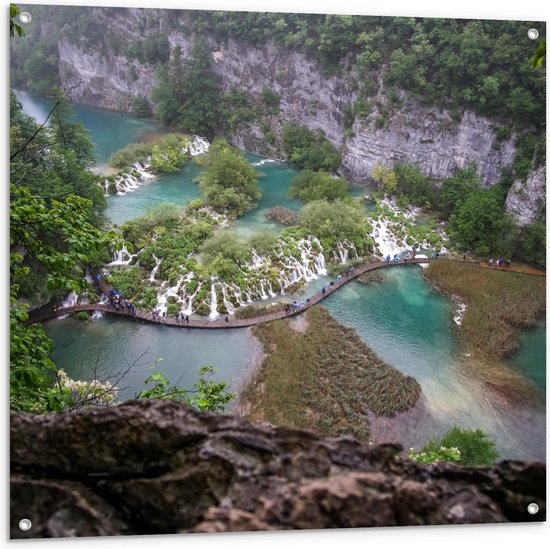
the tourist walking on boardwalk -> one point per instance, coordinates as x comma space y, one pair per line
226, 319
187, 319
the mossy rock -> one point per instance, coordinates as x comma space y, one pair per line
172, 299
82, 315
203, 309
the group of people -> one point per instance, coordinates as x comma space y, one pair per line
499, 262
120, 303
298, 305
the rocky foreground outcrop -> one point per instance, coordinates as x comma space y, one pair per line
153, 467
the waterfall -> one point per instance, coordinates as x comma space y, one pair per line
88, 276
342, 252
119, 256
155, 268
106, 186
162, 302
228, 305
270, 289
199, 145
188, 299
70, 301
263, 162
263, 295
142, 170
213, 301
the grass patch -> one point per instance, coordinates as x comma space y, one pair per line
324, 379
498, 305
253, 311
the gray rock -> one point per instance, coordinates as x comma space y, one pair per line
527, 199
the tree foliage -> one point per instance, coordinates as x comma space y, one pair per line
187, 94
229, 183
338, 220
309, 185
309, 150
207, 396
475, 446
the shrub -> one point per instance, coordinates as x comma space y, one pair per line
475, 447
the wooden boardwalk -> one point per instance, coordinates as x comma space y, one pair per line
47, 312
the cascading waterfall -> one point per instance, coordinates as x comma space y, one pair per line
106, 187
213, 301
199, 145
228, 305
263, 162
155, 268
70, 301
120, 255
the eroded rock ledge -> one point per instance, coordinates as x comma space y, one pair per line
153, 467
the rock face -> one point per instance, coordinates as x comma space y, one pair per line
527, 199
412, 132
152, 467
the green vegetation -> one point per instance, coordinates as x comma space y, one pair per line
463, 446
271, 99
254, 311
207, 395
229, 183
167, 155
324, 379
187, 94
498, 304
335, 221
309, 185
129, 155
309, 150
141, 108
435, 455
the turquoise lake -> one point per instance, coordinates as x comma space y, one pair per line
404, 320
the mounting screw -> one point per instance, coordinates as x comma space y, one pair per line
25, 17
532, 34
532, 508
25, 525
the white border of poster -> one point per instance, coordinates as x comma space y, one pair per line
526, 536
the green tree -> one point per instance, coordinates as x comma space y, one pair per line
225, 243
479, 223
457, 188
532, 244
475, 446
228, 183
385, 177
309, 150
187, 94
309, 185
336, 220
141, 107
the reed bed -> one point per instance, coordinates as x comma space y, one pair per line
498, 305
325, 379
253, 311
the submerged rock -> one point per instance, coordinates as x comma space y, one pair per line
157, 466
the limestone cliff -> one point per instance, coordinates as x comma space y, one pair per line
152, 467
527, 199
99, 73
413, 132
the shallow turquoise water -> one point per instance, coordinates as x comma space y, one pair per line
530, 360
115, 344
110, 131
404, 320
